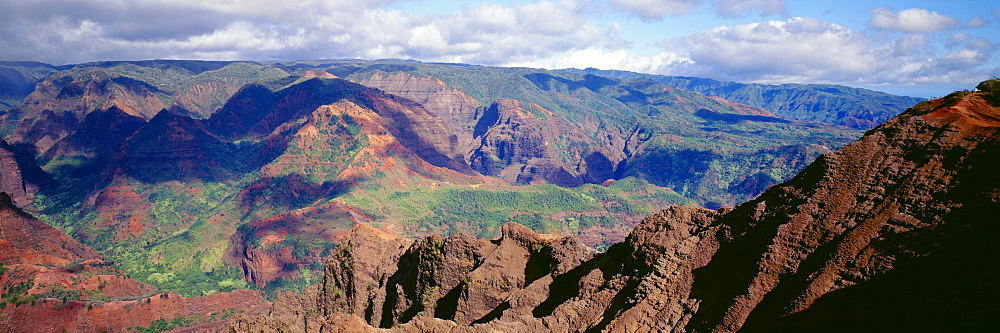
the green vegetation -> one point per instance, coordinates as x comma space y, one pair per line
16, 293
163, 325
991, 90
544, 208
176, 248
711, 146
305, 278
60, 292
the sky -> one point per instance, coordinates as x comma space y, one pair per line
917, 48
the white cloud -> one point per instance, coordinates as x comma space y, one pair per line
270, 29
977, 22
913, 20
982, 45
958, 38
808, 50
910, 44
600, 58
780, 51
653, 10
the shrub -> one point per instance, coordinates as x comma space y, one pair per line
991, 88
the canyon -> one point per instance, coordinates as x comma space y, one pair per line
891, 232
367, 195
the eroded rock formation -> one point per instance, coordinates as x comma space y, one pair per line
892, 232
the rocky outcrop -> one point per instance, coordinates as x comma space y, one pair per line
875, 210
523, 143
11, 181
521, 281
890, 232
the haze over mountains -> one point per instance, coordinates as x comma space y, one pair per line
203, 177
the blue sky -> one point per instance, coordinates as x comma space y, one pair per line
919, 48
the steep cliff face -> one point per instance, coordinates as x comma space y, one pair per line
455, 108
517, 141
11, 181
890, 232
523, 143
521, 282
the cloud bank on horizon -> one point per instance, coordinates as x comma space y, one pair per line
894, 47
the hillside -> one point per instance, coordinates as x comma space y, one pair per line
888, 233
50, 282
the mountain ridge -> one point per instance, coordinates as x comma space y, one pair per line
858, 108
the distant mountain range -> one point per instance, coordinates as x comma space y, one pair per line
833, 104
189, 175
